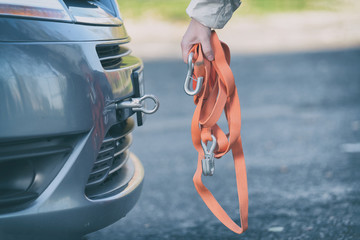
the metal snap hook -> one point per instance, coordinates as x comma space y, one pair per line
208, 163
137, 106
189, 77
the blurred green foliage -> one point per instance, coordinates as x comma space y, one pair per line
274, 6
175, 9
167, 9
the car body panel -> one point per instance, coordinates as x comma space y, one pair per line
29, 30
55, 95
56, 123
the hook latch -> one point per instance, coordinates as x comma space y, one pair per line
189, 76
208, 163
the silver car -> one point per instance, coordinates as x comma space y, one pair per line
70, 95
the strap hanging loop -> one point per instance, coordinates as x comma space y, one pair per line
219, 95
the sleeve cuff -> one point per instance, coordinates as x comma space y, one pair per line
212, 13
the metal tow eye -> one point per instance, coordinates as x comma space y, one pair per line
189, 77
208, 163
136, 104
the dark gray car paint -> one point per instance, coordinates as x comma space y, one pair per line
27, 30
52, 83
60, 215
56, 84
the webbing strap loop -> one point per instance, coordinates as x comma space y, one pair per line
218, 94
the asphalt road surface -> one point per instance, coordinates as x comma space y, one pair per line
301, 136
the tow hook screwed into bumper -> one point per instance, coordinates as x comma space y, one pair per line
136, 105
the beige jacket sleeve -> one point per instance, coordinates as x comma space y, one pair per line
212, 13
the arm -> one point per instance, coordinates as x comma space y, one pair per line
206, 14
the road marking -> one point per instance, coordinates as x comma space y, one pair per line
276, 229
350, 147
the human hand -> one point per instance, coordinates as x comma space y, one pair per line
197, 33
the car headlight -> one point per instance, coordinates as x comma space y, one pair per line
44, 9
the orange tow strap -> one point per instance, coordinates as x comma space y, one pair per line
218, 94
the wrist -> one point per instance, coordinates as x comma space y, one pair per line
199, 24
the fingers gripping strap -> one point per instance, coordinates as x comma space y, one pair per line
219, 94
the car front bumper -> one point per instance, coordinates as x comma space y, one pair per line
58, 216
64, 156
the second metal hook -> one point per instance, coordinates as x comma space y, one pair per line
208, 163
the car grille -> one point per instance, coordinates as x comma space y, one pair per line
35, 148
111, 55
28, 166
113, 155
